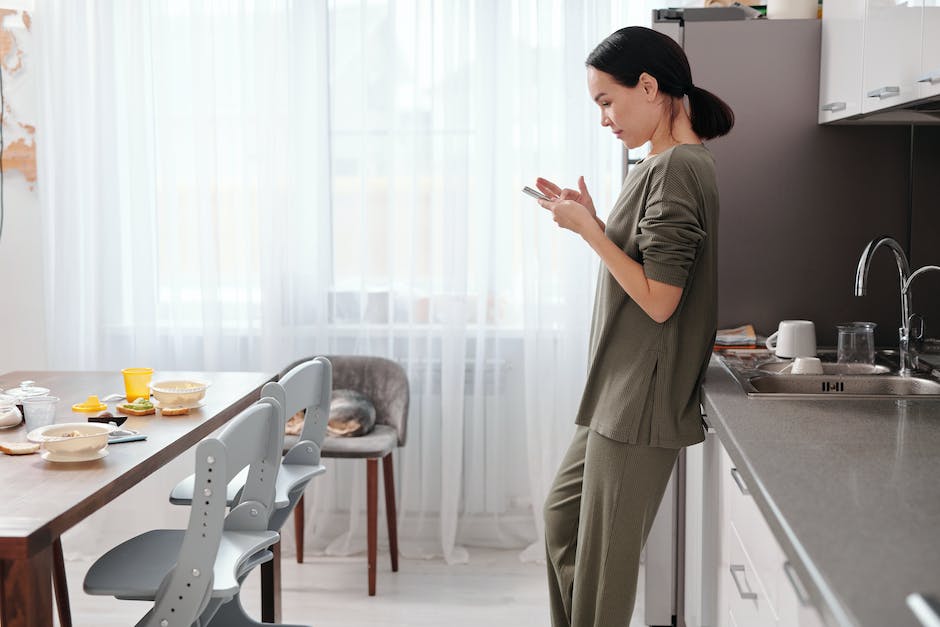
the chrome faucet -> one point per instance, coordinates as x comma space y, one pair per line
906, 364
907, 284
906, 289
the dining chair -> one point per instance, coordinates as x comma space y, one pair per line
303, 387
190, 574
386, 384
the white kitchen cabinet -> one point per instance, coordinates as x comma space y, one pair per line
929, 77
756, 584
794, 606
840, 70
891, 61
702, 549
876, 56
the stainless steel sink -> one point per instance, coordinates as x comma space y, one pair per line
857, 386
762, 375
780, 367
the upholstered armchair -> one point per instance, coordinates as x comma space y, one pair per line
386, 384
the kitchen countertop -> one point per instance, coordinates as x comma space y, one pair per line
850, 488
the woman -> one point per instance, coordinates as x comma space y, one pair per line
653, 326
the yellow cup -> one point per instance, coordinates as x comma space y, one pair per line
137, 383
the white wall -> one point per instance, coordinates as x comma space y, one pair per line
22, 328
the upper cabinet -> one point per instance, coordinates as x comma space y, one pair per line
840, 71
929, 78
892, 55
877, 56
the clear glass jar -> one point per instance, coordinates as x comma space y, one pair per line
25, 390
856, 343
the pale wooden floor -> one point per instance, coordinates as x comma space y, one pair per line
494, 590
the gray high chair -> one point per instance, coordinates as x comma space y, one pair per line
190, 574
306, 386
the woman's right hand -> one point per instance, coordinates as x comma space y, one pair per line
580, 196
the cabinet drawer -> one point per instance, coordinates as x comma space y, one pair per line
747, 541
747, 596
756, 539
793, 603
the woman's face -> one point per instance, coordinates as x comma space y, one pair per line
631, 113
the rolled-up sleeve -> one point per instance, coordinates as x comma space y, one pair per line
670, 230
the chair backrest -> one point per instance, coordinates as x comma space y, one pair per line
384, 381
305, 386
252, 439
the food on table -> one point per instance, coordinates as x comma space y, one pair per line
174, 411
18, 448
140, 407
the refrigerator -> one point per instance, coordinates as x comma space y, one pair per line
798, 203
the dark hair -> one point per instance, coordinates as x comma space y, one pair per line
631, 51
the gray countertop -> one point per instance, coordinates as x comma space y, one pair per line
850, 488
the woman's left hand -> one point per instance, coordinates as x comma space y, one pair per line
571, 215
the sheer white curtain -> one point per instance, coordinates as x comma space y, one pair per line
235, 185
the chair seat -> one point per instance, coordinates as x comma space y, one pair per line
378, 443
135, 569
289, 476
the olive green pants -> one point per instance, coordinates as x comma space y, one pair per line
598, 515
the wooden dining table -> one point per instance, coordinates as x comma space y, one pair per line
39, 500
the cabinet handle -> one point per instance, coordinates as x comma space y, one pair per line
801, 593
708, 427
740, 481
739, 568
930, 77
834, 106
885, 92
924, 609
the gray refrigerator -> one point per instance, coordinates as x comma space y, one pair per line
798, 203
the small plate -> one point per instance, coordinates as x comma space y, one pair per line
51, 456
201, 403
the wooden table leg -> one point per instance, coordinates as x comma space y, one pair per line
26, 591
60, 585
271, 587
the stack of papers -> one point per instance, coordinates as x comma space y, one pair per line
743, 336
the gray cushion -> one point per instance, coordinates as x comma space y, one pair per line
379, 443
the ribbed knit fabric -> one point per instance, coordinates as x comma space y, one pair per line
644, 377
598, 515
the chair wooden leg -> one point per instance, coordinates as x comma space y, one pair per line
299, 529
372, 506
271, 587
390, 517
60, 584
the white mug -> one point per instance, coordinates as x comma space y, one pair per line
806, 365
794, 338
792, 9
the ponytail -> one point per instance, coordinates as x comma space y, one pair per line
711, 116
630, 51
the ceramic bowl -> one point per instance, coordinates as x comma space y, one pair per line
72, 439
179, 393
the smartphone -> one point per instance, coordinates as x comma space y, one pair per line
534, 193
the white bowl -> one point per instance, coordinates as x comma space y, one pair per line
72, 439
179, 393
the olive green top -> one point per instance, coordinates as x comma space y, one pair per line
644, 377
